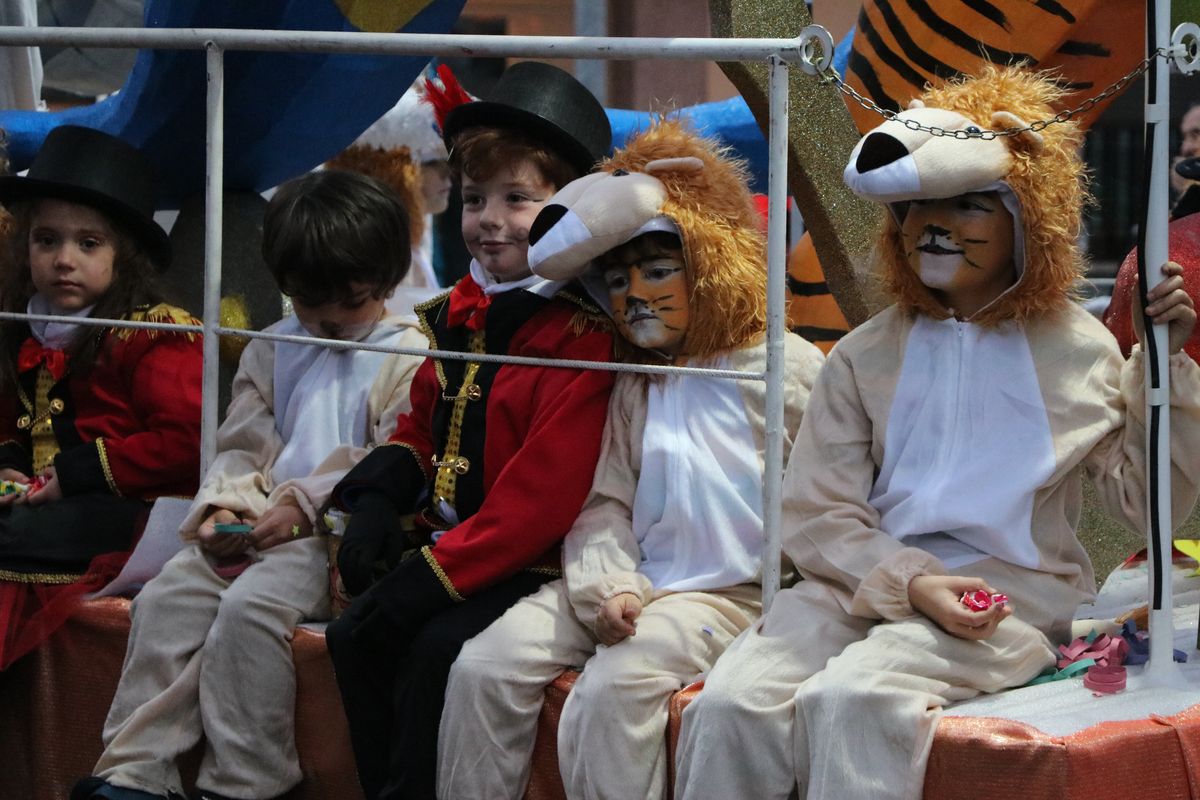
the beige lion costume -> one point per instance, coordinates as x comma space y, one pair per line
675, 512
944, 447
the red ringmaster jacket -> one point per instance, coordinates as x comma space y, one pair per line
130, 426
511, 448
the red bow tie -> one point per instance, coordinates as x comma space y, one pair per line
33, 353
468, 304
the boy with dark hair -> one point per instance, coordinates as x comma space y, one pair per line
321, 221
209, 648
494, 460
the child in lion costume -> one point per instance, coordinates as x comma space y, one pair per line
941, 453
669, 542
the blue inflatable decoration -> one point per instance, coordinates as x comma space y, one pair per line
728, 121
287, 112
284, 112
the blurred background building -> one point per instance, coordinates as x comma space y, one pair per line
1113, 146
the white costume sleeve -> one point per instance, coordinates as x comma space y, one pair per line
247, 444
1117, 465
830, 530
600, 553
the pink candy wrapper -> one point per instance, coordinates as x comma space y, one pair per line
979, 600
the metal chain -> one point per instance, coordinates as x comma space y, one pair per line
830, 75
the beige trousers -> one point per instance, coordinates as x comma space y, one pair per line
210, 656
612, 733
840, 706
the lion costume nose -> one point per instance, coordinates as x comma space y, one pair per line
878, 150
546, 219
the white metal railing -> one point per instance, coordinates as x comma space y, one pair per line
214, 204
342, 344
814, 44
419, 44
777, 53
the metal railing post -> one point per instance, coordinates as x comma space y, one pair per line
1161, 669
776, 273
214, 188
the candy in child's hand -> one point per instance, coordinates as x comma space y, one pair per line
239, 528
12, 487
36, 484
980, 600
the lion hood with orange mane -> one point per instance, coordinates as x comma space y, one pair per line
667, 172
940, 147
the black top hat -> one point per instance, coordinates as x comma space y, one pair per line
87, 166
546, 102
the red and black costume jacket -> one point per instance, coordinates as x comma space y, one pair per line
511, 448
129, 427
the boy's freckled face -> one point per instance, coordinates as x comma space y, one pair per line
650, 301
350, 319
497, 215
71, 253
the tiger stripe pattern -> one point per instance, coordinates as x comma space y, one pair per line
901, 45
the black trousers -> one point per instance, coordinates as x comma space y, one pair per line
64, 536
395, 743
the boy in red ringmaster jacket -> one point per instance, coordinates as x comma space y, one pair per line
494, 461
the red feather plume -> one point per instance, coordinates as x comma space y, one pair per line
445, 97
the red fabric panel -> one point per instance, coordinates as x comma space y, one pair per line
53, 704
1157, 757
30, 613
322, 732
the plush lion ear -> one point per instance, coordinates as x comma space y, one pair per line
916, 102
685, 164
1004, 120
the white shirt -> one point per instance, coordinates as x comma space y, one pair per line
321, 397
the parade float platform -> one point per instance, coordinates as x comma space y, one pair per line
1055, 741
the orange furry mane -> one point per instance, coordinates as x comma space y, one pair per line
724, 249
1049, 183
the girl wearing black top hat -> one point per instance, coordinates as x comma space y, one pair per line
494, 461
94, 422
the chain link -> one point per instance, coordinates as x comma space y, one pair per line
830, 75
